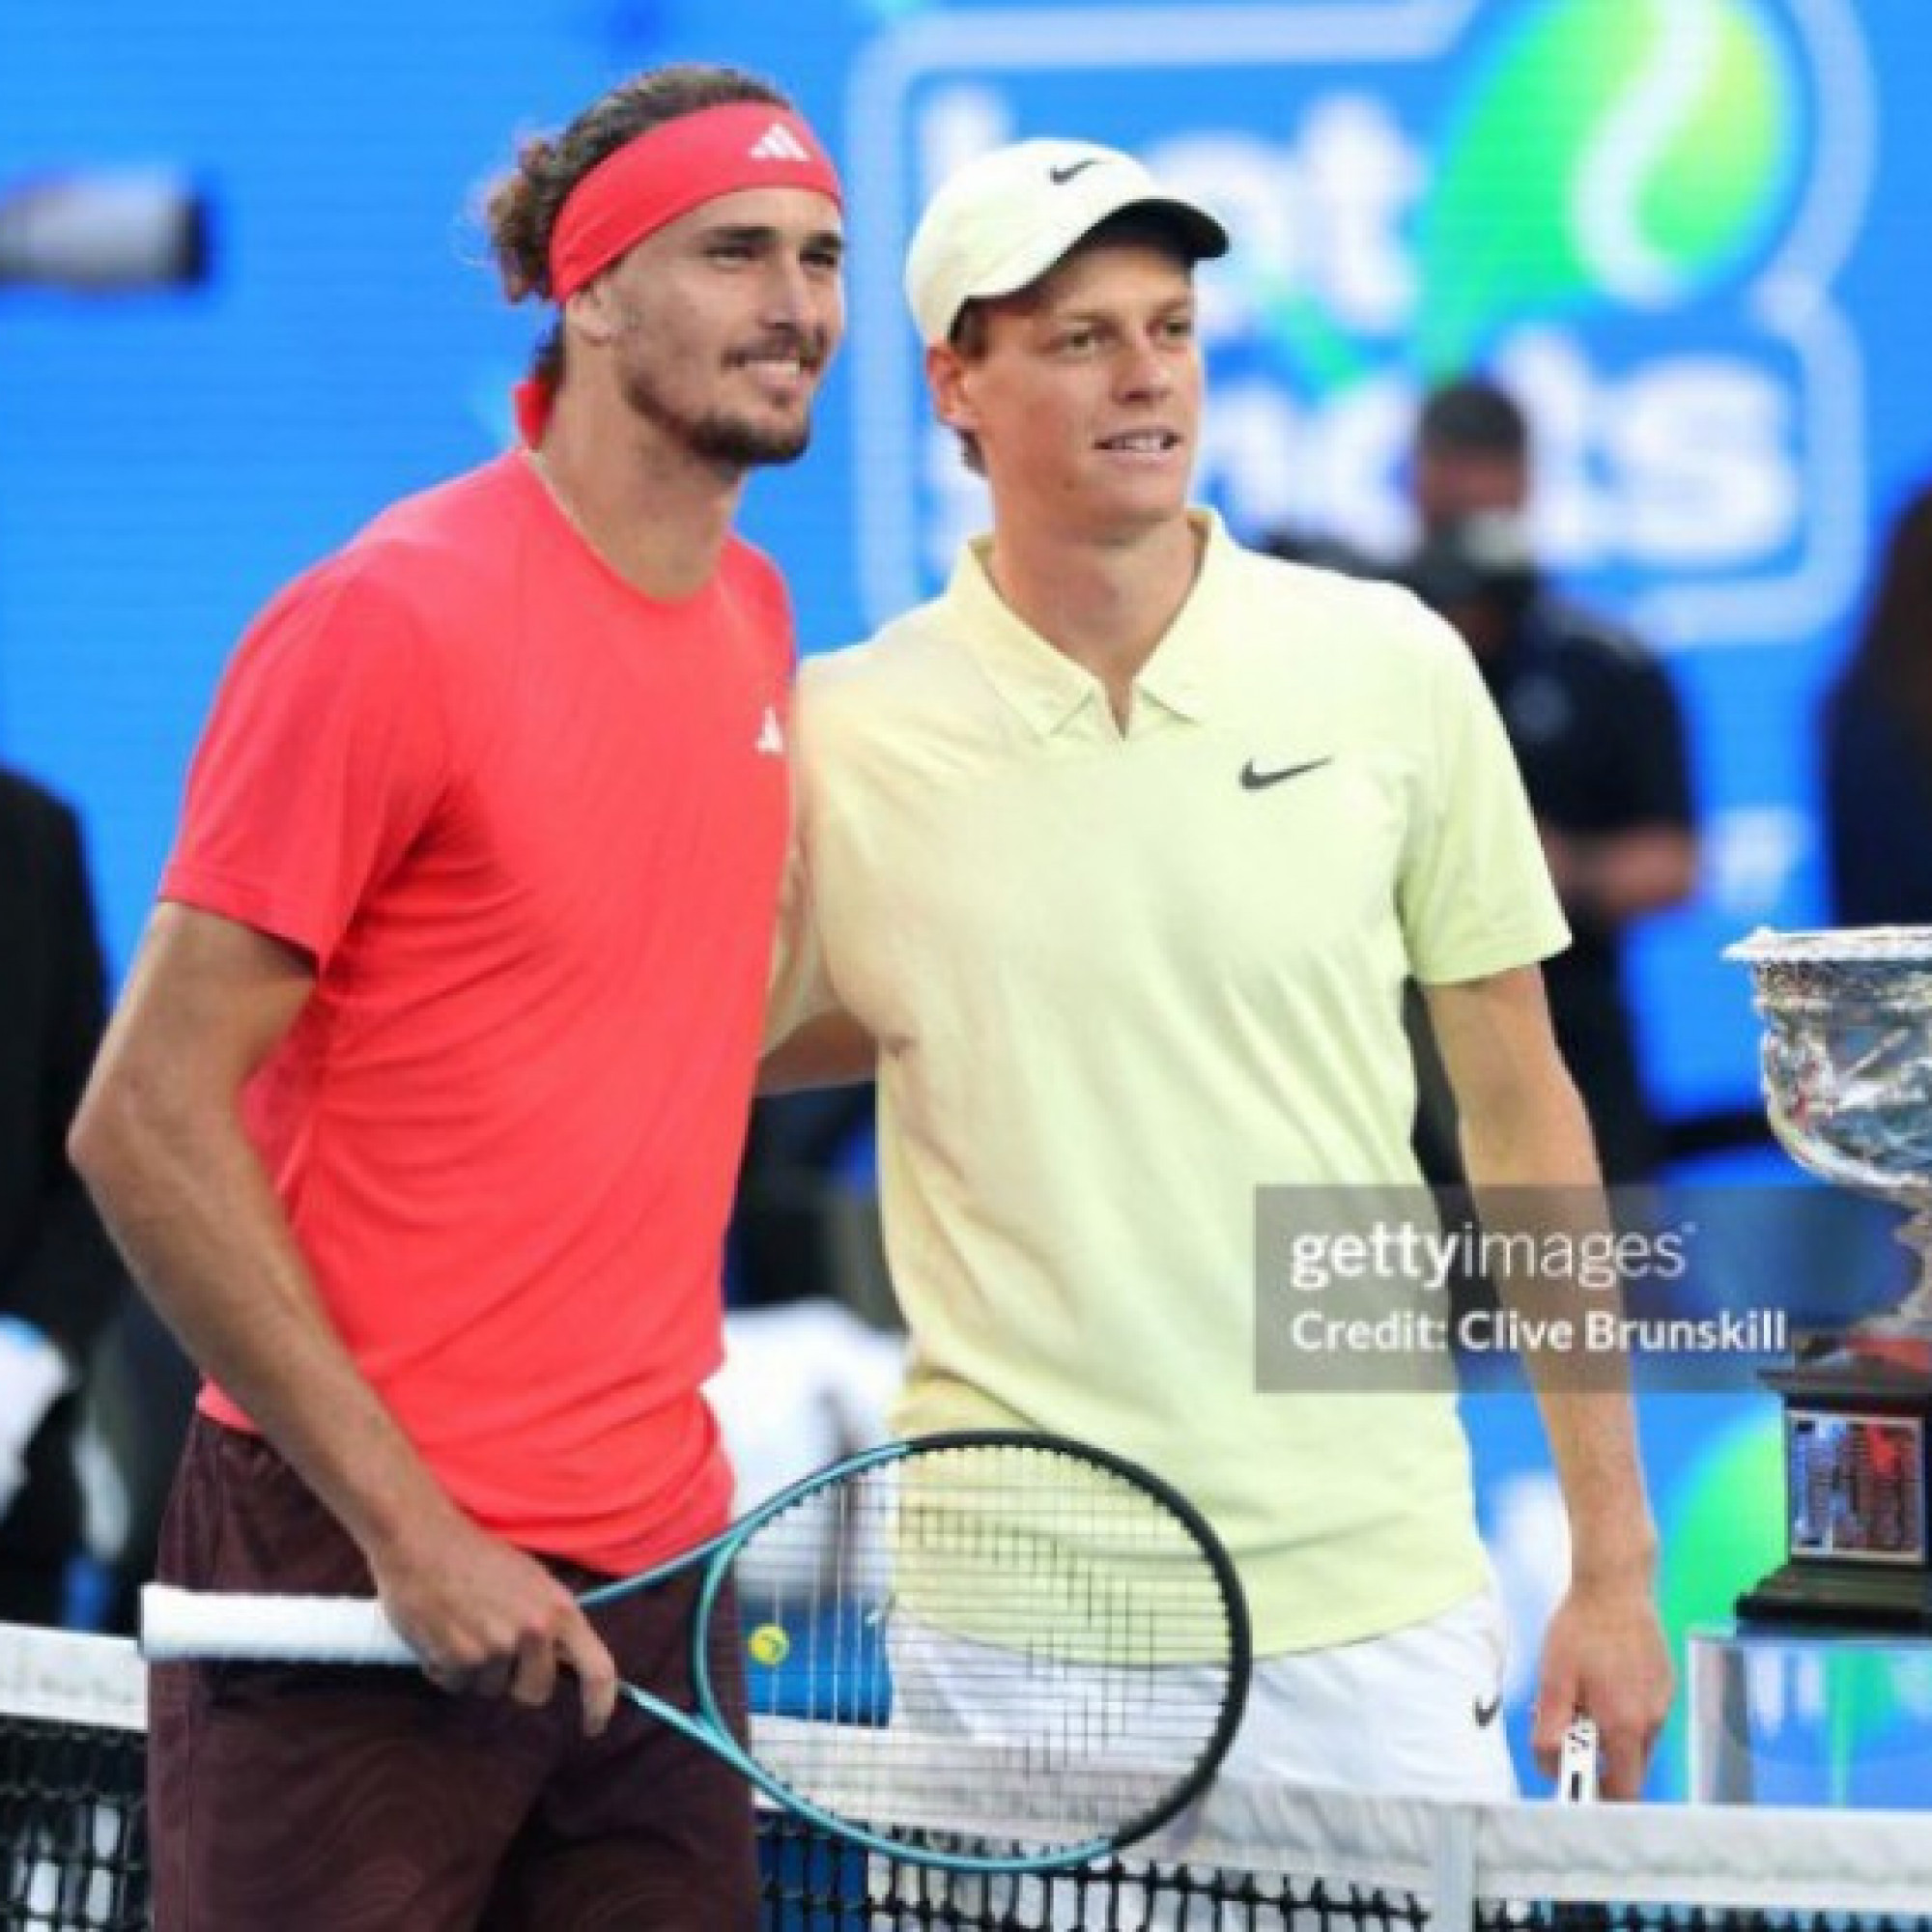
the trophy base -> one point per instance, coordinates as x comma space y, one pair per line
1857, 1465
1827, 1595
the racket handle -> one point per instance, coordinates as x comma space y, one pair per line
1576, 1773
208, 1625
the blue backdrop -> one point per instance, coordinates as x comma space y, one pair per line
1687, 228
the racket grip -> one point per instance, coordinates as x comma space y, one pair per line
1576, 1773
177, 1625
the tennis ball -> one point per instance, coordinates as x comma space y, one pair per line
769, 1644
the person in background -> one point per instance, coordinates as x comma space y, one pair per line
59, 1280
1599, 737
1112, 860
1877, 741
420, 1115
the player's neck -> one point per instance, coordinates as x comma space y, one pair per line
657, 516
1106, 605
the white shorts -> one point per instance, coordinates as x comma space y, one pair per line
1415, 1712
1418, 1711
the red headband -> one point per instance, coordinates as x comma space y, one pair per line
671, 170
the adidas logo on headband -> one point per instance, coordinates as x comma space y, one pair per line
669, 170
777, 143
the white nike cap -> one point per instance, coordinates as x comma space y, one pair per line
1002, 221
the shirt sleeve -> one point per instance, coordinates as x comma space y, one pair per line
1474, 894
323, 762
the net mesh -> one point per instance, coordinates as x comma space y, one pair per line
72, 1842
72, 1850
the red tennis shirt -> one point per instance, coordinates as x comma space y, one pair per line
529, 824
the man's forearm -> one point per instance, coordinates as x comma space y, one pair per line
1527, 1149
1537, 1180
1593, 1444
186, 1200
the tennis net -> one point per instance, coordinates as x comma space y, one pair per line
72, 1857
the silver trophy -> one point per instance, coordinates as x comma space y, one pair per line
1847, 1061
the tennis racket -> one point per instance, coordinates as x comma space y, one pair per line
1082, 1640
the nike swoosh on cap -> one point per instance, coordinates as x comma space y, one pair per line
1255, 780
1060, 176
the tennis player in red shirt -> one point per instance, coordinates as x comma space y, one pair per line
421, 1112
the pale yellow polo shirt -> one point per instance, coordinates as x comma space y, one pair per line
1118, 989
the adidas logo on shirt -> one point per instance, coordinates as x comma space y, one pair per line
777, 143
771, 736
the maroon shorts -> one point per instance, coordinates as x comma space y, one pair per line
296, 1797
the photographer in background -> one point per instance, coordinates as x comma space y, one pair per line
59, 1280
1600, 739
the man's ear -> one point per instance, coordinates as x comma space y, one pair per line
949, 378
592, 312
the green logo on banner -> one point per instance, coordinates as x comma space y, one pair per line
1636, 155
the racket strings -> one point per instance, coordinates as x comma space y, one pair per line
1010, 1599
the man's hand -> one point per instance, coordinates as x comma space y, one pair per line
486, 1618
1606, 1654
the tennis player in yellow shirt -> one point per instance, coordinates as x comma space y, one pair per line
1112, 860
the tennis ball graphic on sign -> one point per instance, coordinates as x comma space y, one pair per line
1722, 1521
1633, 156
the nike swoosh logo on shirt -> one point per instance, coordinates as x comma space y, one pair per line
1484, 1714
1252, 780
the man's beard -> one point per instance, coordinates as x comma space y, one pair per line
731, 442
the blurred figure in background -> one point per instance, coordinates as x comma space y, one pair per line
785, 1241
1877, 742
102, 232
1294, 544
1600, 739
59, 1280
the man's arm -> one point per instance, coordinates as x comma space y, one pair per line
161, 1143
1527, 1149
833, 1050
